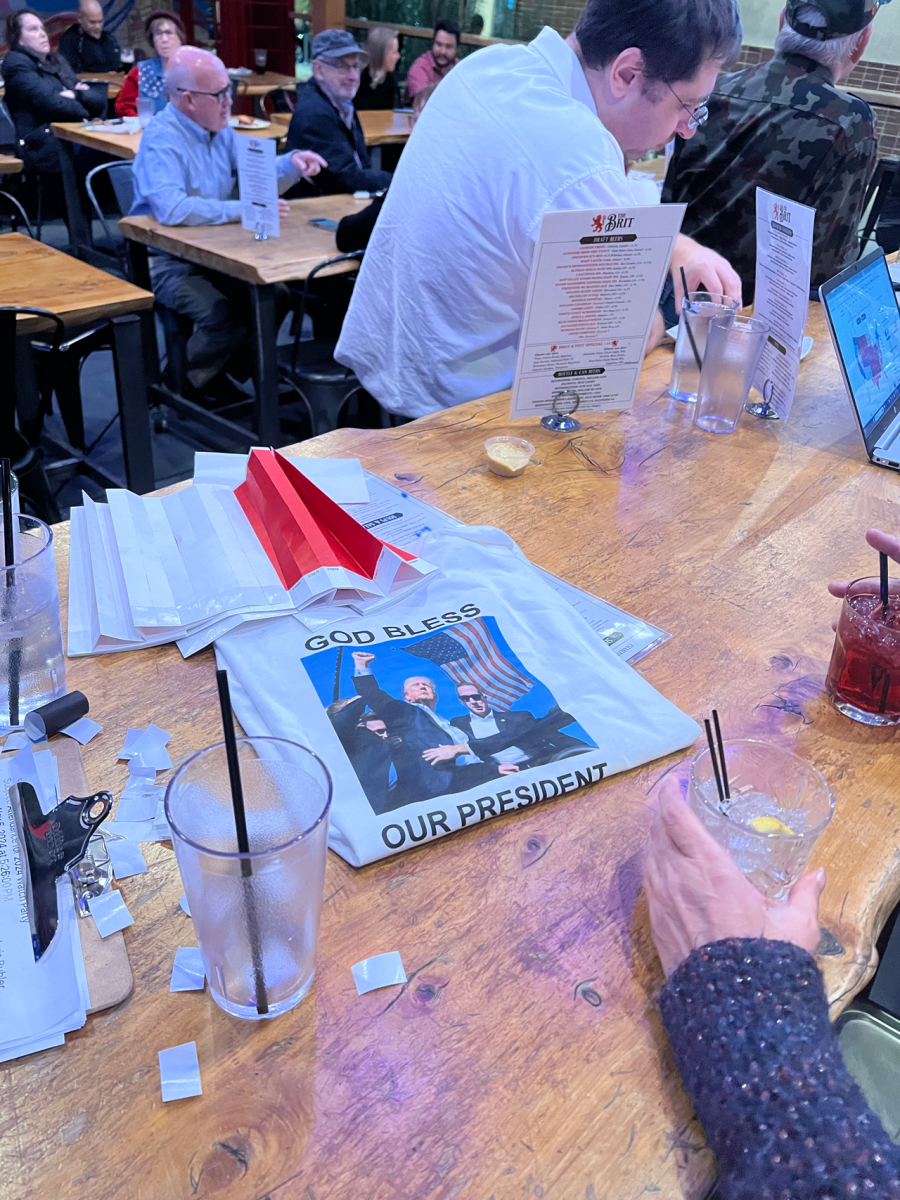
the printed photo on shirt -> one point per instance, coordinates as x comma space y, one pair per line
427, 716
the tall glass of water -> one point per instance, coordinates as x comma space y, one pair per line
256, 914
697, 310
733, 350
778, 809
32, 666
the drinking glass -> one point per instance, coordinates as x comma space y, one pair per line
733, 348
127, 57
863, 678
778, 809
32, 666
260, 58
146, 109
256, 914
697, 310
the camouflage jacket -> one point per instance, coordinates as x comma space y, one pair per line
783, 126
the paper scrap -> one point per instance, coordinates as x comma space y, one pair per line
131, 739
185, 907
137, 767
16, 741
82, 730
48, 774
377, 972
161, 829
126, 858
188, 972
137, 805
132, 831
110, 913
179, 1072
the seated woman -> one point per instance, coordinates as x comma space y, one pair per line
377, 85
165, 33
745, 1010
41, 87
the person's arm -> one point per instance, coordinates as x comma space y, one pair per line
326, 134
39, 95
159, 179
354, 230
68, 47
126, 101
745, 1010
838, 198
298, 164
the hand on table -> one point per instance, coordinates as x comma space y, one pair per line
881, 542
697, 895
307, 162
284, 209
437, 754
703, 269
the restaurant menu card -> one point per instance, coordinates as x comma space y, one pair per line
258, 184
593, 292
784, 237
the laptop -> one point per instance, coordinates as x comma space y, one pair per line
864, 321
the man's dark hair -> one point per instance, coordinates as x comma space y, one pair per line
675, 37
450, 27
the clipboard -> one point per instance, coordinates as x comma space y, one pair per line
106, 964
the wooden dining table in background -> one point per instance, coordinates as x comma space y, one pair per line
525, 1055
112, 79
380, 127
10, 165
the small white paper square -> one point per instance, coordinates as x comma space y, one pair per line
110, 913
126, 859
381, 970
188, 972
138, 769
161, 830
179, 1072
131, 739
137, 805
134, 831
48, 774
16, 741
83, 730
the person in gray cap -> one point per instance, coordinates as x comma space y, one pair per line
784, 125
325, 120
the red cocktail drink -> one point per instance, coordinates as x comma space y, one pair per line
864, 673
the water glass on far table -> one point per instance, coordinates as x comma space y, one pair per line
697, 310
256, 914
733, 349
778, 809
863, 678
32, 666
146, 110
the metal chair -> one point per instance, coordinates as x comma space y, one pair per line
11, 208
876, 194
121, 180
309, 367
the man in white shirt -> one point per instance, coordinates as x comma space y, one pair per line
514, 132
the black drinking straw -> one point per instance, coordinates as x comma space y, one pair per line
15, 648
687, 323
883, 565
240, 825
725, 783
715, 763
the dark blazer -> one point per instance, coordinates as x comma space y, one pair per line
84, 53
32, 96
384, 96
354, 230
539, 738
369, 754
317, 126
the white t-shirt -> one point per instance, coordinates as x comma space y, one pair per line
510, 134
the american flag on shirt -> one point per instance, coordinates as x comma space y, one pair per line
468, 654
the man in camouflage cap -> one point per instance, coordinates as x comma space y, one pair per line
785, 126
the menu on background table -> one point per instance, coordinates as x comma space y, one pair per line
593, 292
784, 237
258, 184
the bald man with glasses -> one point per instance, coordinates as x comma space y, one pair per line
185, 173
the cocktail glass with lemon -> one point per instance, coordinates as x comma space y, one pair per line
778, 808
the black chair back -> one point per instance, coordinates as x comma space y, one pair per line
880, 185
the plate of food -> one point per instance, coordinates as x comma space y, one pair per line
244, 122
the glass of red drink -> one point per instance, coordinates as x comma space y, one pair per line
864, 674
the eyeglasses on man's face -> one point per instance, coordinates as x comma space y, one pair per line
221, 97
696, 116
472, 696
343, 66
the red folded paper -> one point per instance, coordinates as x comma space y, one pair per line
300, 528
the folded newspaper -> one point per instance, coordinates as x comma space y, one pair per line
190, 566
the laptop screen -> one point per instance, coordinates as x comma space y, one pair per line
866, 324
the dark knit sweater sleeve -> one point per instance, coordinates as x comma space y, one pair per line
748, 1022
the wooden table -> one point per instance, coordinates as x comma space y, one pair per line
113, 80
9, 165
380, 128
233, 251
259, 85
37, 276
525, 1058
117, 145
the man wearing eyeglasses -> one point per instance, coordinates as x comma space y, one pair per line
513, 735
185, 173
784, 125
325, 120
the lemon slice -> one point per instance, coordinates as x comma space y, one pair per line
771, 825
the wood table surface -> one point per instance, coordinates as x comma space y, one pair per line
261, 85
380, 127
37, 276
10, 165
125, 145
525, 1056
113, 80
233, 250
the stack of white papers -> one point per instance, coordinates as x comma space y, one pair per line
40, 1002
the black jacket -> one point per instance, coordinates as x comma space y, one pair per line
84, 53
383, 96
539, 738
354, 230
317, 126
33, 97
369, 754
